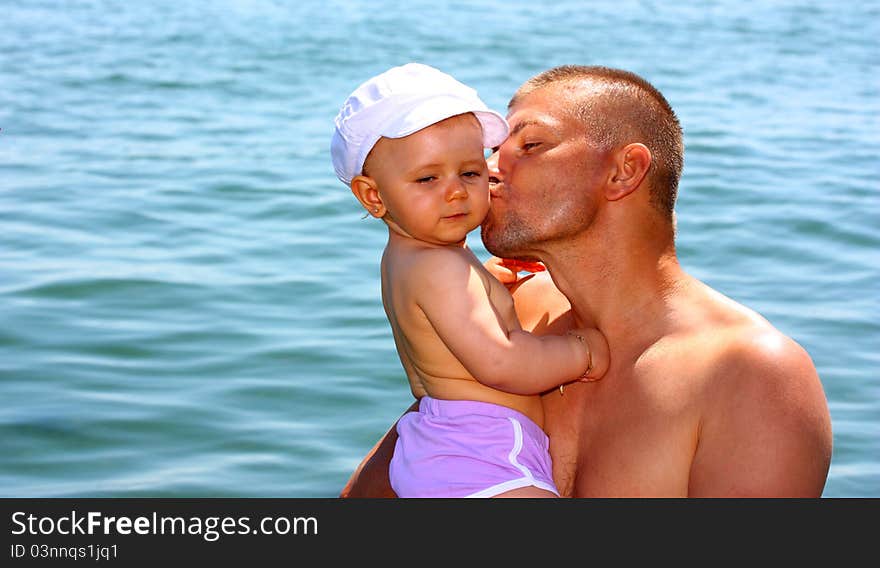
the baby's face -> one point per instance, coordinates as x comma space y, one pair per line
434, 183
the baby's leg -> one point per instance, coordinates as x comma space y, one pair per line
530, 492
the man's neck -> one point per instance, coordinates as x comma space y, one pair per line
623, 284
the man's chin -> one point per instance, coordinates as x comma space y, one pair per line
488, 236
494, 242
508, 237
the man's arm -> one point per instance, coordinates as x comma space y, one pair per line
766, 429
370, 478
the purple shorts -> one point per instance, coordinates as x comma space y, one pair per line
462, 448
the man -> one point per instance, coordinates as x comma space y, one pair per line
704, 398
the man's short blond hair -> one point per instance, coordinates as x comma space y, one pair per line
618, 107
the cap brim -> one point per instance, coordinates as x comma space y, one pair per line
495, 128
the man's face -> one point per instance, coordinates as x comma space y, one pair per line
549, 173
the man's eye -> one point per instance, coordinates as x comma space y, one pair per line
529, 145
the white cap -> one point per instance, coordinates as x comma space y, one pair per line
399, 102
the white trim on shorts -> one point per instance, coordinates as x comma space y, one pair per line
526, 480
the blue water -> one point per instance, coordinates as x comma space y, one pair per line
189, 299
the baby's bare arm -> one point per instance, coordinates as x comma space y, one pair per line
597, 347
496, 352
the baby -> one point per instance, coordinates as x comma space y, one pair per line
410, 143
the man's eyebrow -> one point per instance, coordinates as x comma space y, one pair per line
520, 125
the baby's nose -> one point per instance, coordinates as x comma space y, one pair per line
456, 190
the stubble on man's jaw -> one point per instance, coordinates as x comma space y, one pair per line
506, 242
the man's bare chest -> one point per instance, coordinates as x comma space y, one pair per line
621, 440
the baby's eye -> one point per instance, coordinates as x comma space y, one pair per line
472, 174
426, 179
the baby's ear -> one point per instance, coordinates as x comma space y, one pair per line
367, 192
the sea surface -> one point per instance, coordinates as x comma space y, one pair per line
189, 298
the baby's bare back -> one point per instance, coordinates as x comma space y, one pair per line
449, 282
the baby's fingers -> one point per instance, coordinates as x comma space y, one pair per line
589, 379
499, 270
526, 265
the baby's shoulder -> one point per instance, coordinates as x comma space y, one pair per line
442, 262
431, 269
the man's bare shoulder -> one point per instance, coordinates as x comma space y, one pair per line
736, 351
763, 411
755, 349
743, 346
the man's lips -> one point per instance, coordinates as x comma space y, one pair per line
495, 189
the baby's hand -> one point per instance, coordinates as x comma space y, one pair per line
600, 356
506, 270
522, 265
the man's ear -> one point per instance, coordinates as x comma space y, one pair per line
631, 165
367, 192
